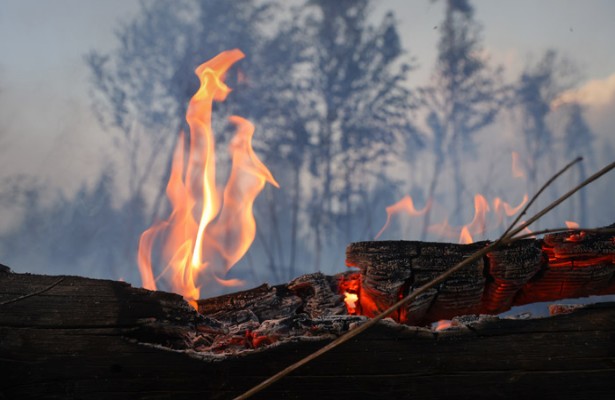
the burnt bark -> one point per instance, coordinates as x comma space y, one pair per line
78, 338
565, 265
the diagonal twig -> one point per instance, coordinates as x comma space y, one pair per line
561, 199
542, 189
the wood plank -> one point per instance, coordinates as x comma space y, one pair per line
99, 339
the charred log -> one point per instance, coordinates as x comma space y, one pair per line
565, 265
71, 337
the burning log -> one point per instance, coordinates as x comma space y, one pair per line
72, 337
563, 265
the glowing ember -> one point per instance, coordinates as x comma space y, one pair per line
442, 325
349, 286
572, 225
199, 251
351, 300
576, 236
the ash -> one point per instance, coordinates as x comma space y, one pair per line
306, 309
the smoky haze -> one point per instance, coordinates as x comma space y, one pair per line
353, 111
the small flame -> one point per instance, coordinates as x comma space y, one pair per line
406, 206
478, 224
572, 225
351, 300
476, 227
465, 237
575, 236
442, 324
202, 250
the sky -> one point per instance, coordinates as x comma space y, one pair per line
48, 130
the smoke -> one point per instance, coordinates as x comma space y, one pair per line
594, 93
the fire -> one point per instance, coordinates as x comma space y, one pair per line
575, 236
485, 219
572, 225
466, 233
206, 233
351, 300
405, 205
442, 325
478, 224
349, 286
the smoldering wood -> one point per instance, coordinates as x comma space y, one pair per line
99, 339
564, 265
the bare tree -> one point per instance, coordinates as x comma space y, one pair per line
353, 111
537, 88
464, 96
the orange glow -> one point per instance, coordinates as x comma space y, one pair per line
572, 225
465, 237
575, 236
467, 232
351, 300
501, 208
403, 206
478, 224
443, 324
206, 233
349, 286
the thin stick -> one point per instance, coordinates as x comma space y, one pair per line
557, 202
561, 230
56, 283
507, 237
542, 189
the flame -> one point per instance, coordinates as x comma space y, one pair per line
351, 300
442, 325
349, 286
200, 251
405, 205
467, 232
575, 236
501, 208
465, 237
572, 225
478, 224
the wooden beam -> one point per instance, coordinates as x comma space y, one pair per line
100, 339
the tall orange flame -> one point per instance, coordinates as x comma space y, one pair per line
200, 251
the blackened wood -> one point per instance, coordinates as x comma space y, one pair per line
562, 266
98, 339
